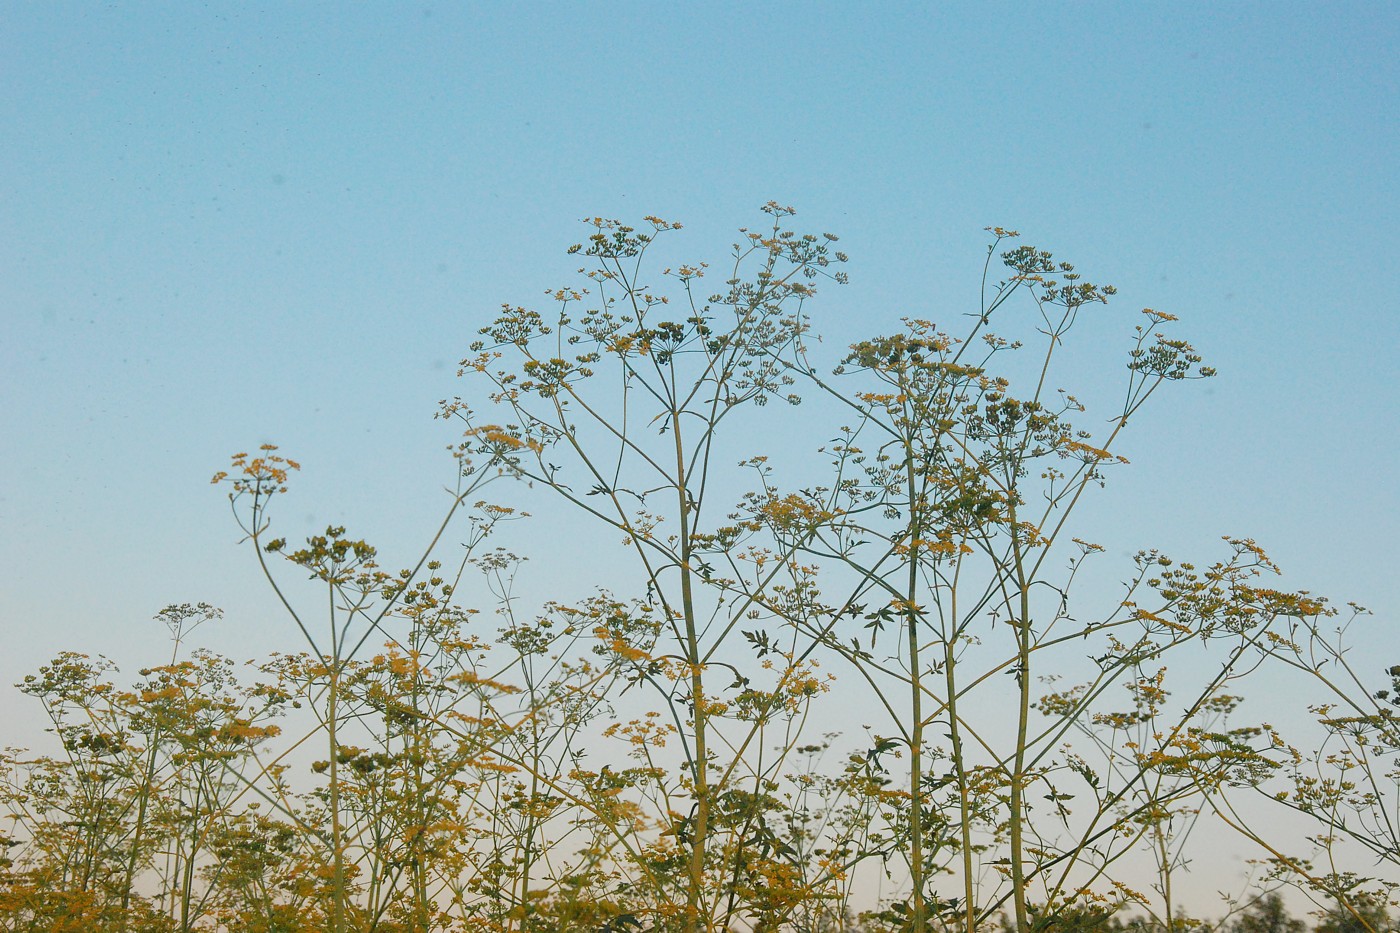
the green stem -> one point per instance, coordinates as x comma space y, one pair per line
700, 767
959, 769
337, 846
1022, 625
916, 694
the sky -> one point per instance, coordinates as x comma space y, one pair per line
229, 224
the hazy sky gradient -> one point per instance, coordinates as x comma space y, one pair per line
227, 224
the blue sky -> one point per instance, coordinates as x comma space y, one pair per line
228, 224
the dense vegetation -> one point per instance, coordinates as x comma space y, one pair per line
652, 756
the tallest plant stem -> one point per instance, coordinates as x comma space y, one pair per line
1022, 625
337, 844
700, 767
916, 738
